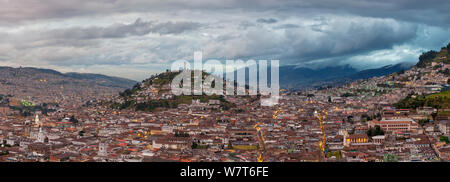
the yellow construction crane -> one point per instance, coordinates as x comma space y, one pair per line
322, 143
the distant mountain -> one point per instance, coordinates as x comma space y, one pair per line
385, 70
292, 77
46, 85
297, 78
104, 80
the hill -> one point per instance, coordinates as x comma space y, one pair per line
292, 77
439, 100
385, 70
103, 80
431, 71
50, 86
154, 94
433, 56
301, 78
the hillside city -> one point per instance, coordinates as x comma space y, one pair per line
404, 116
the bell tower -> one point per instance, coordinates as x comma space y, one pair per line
37, 121
41, 136
102, 149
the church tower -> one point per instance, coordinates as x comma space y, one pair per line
37, 121
102, 149
346, 142
41, 136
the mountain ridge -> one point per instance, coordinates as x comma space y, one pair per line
113, 81
332, 75
40, 86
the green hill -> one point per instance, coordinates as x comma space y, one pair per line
439, 100
138, 98
433, 56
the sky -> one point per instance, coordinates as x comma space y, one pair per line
137, 38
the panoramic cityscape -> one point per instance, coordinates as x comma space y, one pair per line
93, 82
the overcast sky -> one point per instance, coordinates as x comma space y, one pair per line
137, 38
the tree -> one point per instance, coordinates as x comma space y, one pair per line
378, 116
370, 132
125, 93
375, 131
434, 115
422, 122
348, 94
426, 58
350, 119
194, 145
73, 120
378, 130
337, 154
364, 115
444, 139
230, 146
390, 158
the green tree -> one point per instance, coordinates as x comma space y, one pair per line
230, 146
444, 139
422, 122
425, 58
375, 131
390, 158
73, 120
194, 145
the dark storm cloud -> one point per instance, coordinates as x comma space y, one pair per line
433, 12
325, 38
351, 38
138, 28
101, 33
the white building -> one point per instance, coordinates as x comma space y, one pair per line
444, 127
